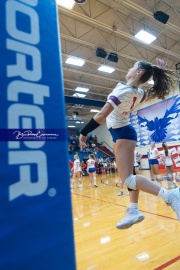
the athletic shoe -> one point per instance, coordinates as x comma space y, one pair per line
95, 185
80, 186
120, 193
174, 201
133, 216
71, 186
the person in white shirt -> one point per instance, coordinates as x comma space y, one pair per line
120, 102
137, 158
168, 163
92, 170
77, 172
154, 163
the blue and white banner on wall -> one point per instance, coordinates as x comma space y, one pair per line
158, 123
36, 230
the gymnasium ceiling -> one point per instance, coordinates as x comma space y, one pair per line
111, 25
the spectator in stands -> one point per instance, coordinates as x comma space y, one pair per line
71, 165
90, 139
84, 168
95, 140
93, 146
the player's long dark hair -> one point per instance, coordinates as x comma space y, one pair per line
163, 82
164, 145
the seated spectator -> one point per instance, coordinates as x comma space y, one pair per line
93, 146
90, 139
95, 139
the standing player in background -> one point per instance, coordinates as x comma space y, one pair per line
137, 158
153, 161
77, 172
120, 102
168, 163
91, 168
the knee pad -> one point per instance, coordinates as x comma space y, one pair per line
174, 174
159, 176
130, 182
129, 189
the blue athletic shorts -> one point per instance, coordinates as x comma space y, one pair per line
92, 170
136, 166
127, 132
153, 161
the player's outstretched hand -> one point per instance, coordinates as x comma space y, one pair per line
161, 63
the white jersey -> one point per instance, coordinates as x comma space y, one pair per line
77, 165
91, 163
123, 98
167, 159
153, 153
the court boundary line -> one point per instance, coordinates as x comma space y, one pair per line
163, 266
126, 206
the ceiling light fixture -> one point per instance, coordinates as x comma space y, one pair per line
145, 37
75, 61
79, 95
106, 69
81, 89
69, 4
94, 110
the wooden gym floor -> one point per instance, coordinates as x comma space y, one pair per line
153, 244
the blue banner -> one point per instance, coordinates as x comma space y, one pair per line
158, 122
35, 210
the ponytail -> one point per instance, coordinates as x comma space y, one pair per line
163, 83
165, 148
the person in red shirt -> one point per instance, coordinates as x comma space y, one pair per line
71, 164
